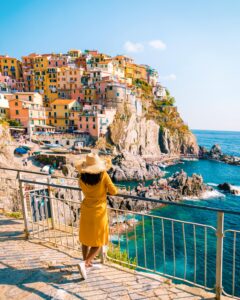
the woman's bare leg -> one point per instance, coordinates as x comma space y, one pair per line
85, 251
91, 254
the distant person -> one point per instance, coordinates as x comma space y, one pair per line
95, 184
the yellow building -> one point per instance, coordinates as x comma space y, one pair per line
129, 70
10, 66
60, 111
50, 90
74, 53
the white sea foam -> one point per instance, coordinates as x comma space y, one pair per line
212, 194
207, 195
212, 184
236, 188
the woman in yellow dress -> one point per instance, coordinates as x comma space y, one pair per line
95, 184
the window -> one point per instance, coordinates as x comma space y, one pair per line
110, 88
94, 127
117, 94
80, 125
80, 118
32, 122
66, 121
17, 112
87, 126
49, 114
93, 119
86, 119
55, 114
65, 106
16, 103
54, 106
55, 121
16, 96
66, 115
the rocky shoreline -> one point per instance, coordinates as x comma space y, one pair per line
215, 153
127, 167
175, 188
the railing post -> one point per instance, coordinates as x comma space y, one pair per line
24, 206
219, 254
52, 207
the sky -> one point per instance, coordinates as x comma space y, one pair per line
194, 45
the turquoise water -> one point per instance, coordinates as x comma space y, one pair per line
213, 173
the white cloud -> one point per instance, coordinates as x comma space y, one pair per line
157, 44
133, 47
169, 77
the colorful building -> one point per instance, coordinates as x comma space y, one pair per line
10, 66
60, 111
95, 121
27, 108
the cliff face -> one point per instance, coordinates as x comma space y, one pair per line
153, 133
136, 135
176, 142
6, 156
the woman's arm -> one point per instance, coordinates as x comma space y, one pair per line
111, 188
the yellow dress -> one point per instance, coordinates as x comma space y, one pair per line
94, 219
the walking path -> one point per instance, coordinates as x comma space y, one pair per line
30, 270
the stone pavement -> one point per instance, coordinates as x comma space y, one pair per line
30, 270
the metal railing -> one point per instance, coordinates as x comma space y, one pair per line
191, 252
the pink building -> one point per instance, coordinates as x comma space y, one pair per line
7, 83
58, 60
95, 121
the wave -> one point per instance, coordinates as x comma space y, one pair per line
212, 194
212, 184
236, 188
207, 195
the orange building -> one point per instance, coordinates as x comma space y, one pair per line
27, 108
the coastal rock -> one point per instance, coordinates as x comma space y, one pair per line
175, 142
127, 166
216, 154
175, 188
216, 150
188, 186
138, 135
143, 135
227, 187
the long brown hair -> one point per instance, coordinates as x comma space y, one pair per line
91, 179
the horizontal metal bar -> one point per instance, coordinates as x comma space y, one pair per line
231, 230
162, 218
23, 171
137, 198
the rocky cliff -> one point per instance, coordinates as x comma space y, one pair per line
156, 131
6, 155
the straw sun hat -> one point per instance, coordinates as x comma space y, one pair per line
93, 164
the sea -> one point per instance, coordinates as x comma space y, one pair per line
199, 245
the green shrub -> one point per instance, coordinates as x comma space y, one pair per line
15, 214
116, 253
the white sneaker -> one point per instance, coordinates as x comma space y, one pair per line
82, 269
